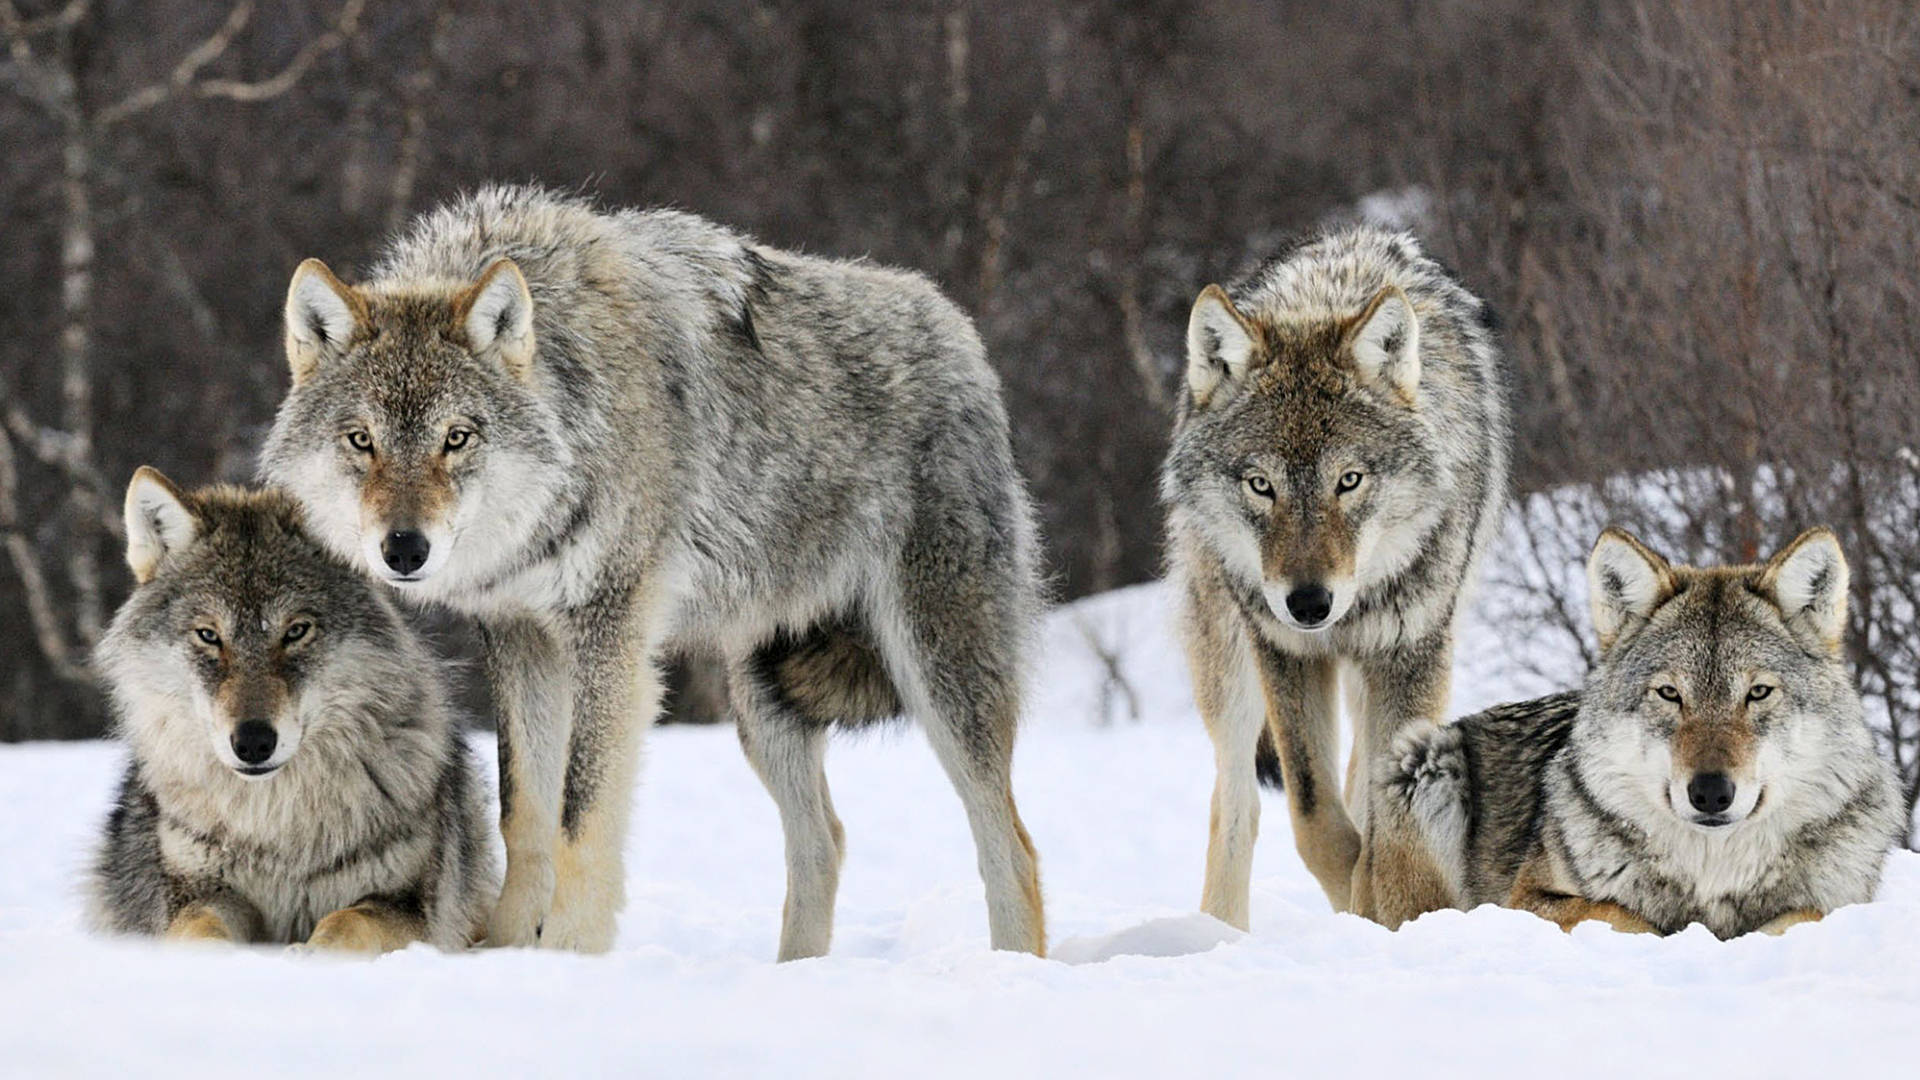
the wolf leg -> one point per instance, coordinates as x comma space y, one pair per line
951, 640
788, 751
533, 697
1354, 690
1227, 691
1305, 721
216, 919
370, 926
1780, 924
617, 694
1418, 828
1536, 889
1392, 883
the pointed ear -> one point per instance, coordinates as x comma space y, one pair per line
1220, 345
1808, 580
1626, 583
1385, 342
158, 522
322, 316
496, 314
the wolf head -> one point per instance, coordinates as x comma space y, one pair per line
1721, 692
244, 642
1303, 452
413, 433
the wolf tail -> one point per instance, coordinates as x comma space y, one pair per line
1266, 761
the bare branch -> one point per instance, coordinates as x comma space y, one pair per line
41, 613
342, 30
1115, 676
182, 80
183, 73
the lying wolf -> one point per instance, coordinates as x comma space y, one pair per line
296, 775
1716, 768
602, 433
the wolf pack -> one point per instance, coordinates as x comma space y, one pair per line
605, 435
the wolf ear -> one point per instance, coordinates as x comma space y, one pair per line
322, 315
1626, 582
496, 313
1219, 344
1808, 580
1385, 341
157, 522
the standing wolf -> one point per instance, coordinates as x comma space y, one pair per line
1338, 466
1716, 769
296, 772
602, 432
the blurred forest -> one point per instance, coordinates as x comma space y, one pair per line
1699, 220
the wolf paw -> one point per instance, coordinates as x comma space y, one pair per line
1781, 924
589, 934
524, 904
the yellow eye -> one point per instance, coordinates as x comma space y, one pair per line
1760, 692
1669, 692
360, 441
458, 438
1348, 481
1260, 486
296, 632
206, 635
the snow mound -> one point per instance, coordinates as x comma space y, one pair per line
1181, 935
1114, 787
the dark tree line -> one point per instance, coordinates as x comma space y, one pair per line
1698, 218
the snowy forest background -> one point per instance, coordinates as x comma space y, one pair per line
1701, 222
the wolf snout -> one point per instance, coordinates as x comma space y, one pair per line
254, 741
1310, 604
1711, 793
405, 551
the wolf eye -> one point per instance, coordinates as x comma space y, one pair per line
295, 632
458, 438
1348, 481
1760, 692
360, 441
1260, 486
206, 635
1668, 691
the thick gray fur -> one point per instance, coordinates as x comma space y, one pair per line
1286, 395
1575, 806
374, 804
802, 462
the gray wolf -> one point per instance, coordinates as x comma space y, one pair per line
1337, 467
605, 433
1715, 769
296, 774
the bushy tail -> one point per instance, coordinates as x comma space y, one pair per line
1266, 761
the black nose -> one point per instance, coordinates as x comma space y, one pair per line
1309, 604
1711, 792
405, 551
253, 741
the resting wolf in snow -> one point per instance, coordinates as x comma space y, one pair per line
600, 433
1716, 768
1337, 468
296, 773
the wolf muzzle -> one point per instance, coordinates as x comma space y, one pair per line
405, 551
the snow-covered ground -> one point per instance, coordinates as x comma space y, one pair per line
1139, 984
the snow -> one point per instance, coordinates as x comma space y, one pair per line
1139, 985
